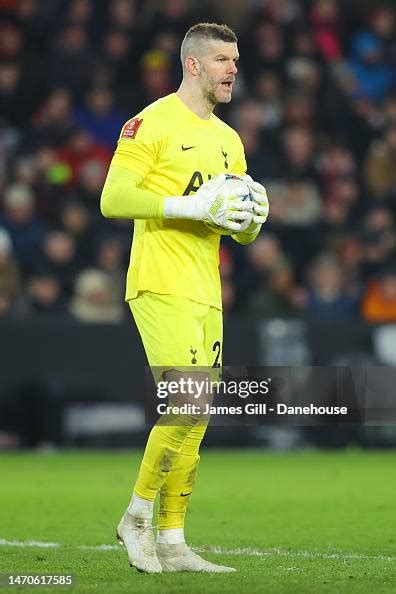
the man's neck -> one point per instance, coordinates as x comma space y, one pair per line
195, 101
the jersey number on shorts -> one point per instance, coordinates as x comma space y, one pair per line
216, 349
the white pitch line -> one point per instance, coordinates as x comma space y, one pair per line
247, 551
103, 547
29, 543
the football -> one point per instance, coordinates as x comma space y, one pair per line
231, 185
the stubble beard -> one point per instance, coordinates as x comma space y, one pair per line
209, 93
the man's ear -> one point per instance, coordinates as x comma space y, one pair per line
192, 65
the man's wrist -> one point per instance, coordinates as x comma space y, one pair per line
178, 207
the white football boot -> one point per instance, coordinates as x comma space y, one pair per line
136, 534
179, 557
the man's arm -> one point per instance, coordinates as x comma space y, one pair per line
139, 146
123, 199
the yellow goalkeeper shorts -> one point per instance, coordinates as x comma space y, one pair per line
177, 332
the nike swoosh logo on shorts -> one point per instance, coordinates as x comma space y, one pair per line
186, 148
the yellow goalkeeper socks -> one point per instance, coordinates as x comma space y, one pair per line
163, 449
176, 491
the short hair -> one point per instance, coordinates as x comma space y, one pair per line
205, 32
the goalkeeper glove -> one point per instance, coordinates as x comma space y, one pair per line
209, 204
260, 203
259, 198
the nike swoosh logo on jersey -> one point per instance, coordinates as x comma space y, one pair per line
185, 494
186, 148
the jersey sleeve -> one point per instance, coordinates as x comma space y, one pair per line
240, 166
122, 199
138, 148
140, 142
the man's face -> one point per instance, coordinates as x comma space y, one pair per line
218, 70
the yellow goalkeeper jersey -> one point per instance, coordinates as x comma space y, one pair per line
173, 152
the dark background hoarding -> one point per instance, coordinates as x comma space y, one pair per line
72, 384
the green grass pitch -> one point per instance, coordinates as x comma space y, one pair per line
309, 522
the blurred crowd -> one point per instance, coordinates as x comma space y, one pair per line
314, 103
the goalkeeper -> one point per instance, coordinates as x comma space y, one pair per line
168, 173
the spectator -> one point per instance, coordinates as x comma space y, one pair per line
335, 217
344, 190
122, 15
79, 150
379, 241
155, 77
39, 172
335, 162
268, 50
264, 254
382, 23
327, 29
94, 298
110, 258
349, 252
303, 44
233, 14
75, 221
13, 105
299, 144
92, 178
9, 273
256, 124
299, 109
268, 91
328, 298
168, 42
26, 230
379, 301
72, 60
372, 77
254, 152
278, 296
282, 12
44, 295
100, 118
296, 203
380, 166
11, 42
79, 12
60, 260
172, 15
249, 115
117, 65
52, 121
